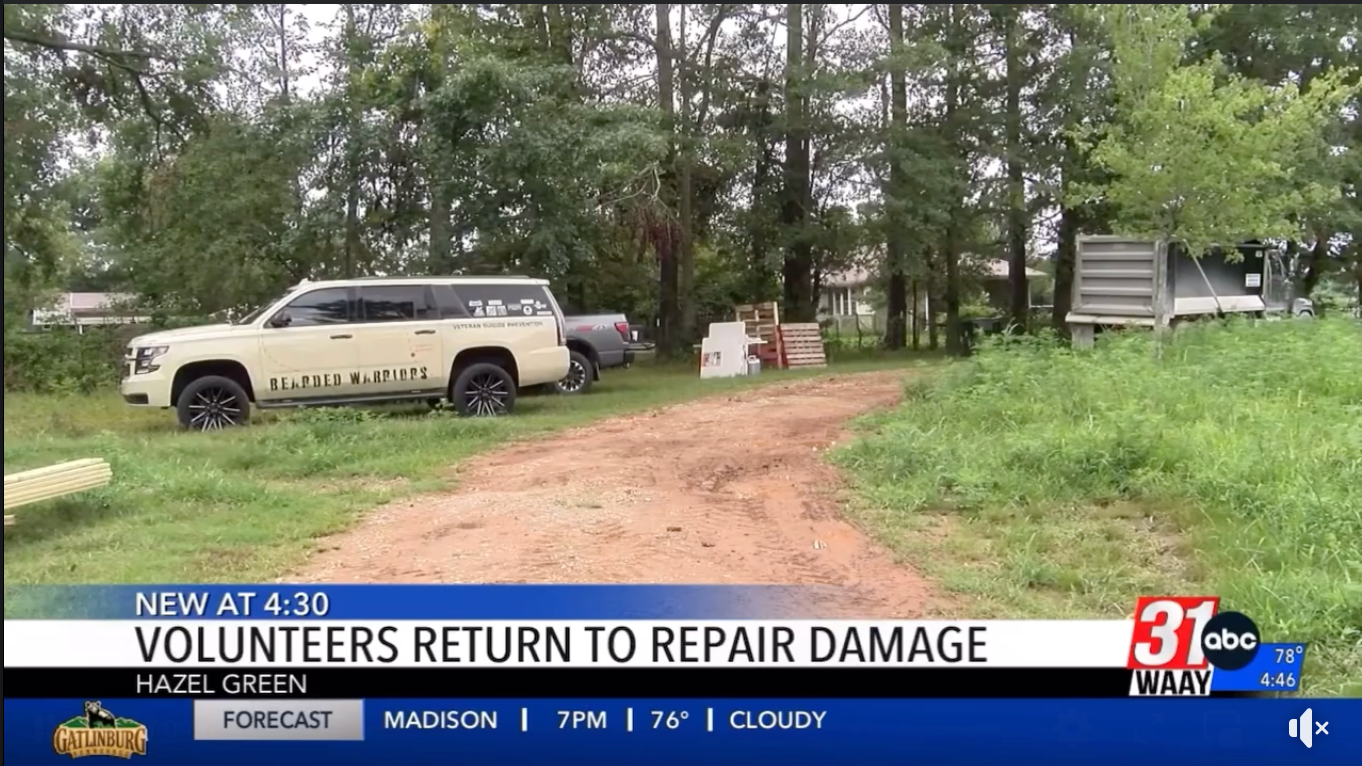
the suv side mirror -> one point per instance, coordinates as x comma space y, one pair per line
282, 319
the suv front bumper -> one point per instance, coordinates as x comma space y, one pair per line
147, 389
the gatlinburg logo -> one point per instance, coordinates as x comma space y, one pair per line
99, 732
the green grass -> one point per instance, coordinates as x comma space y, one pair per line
1036, 481
246, 505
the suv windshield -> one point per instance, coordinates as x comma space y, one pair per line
257, 311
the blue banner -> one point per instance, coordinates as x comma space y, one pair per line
411, 602
1138, 732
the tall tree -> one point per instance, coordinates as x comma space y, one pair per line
959, 57
667, 234
1199, 155
1018, 216
1282, 44
685, 191
896, 324
799, 302
1077, 98
431, 75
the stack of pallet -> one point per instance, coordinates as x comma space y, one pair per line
763, 321
802, 346
28, 487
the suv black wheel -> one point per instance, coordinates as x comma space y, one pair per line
213, 403
580, 375
483, 390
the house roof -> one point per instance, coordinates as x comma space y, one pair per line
79, 302
853, 277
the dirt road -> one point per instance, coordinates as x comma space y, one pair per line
727, 490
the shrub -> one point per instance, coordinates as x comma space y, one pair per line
62, 360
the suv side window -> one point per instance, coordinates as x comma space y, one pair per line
450, 305
505, 300
396, 303
320, 307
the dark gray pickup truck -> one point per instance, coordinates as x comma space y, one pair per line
597, 342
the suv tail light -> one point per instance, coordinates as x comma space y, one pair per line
559, 321
623, 328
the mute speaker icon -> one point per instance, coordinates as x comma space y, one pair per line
1302, 729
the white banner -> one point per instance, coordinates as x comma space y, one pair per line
566, 643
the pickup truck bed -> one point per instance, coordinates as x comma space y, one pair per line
603, 338
603, 341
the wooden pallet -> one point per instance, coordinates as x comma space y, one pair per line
802, 345
763, 321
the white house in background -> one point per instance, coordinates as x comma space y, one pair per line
847, 293
997, 283
81, 310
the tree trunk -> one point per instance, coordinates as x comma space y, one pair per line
931, 296
1069, 224
439, 248
664, 231
352, 148
1070, 218
794, 214
896, 330
686, 192
917, 322
761, 275
933, 317
285, 84
951, 251
559, 34
1319, 256
1016, 184
560, 50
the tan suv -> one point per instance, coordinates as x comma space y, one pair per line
471, 340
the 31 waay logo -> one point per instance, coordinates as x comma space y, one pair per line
97, 731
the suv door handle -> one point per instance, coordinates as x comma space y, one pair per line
425, 332
341, 337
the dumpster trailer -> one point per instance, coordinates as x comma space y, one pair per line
1125, 282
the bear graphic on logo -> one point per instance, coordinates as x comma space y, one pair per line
97, 731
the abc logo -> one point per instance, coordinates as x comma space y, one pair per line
1230, 641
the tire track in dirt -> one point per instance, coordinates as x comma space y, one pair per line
726, 490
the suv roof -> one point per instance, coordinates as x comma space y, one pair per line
467, 280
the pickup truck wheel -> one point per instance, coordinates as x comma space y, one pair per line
483, 390
579, 377
213, 403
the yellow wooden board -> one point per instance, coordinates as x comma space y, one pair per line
40, 484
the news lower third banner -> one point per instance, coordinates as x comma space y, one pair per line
619, 674
374, 641
340, 732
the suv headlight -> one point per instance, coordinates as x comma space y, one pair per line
144, 358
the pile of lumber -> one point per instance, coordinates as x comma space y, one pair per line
28, 487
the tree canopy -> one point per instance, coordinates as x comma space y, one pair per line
665, 160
